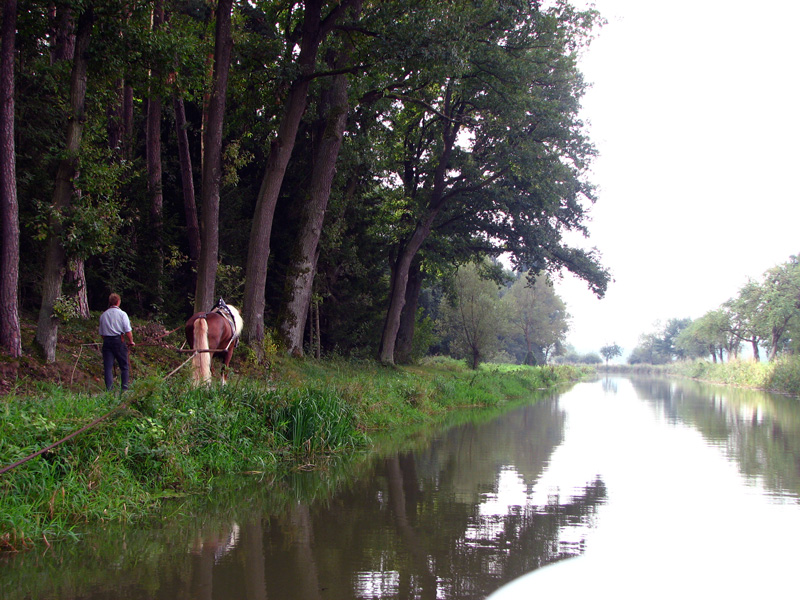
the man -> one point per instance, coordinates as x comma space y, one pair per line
114, 326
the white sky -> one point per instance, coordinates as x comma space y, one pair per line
695, 110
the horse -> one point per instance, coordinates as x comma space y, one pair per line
214, 332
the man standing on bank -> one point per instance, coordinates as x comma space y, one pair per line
114, 325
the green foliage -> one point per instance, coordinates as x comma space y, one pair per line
538, 317
785, 375
572, 357
315, 421
65, 309
765, 313
661, 346
611, 351
474, 319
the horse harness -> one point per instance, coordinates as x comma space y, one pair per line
222, 310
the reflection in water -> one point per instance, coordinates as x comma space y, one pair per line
700, 502
616, 468
453, 521
760, 432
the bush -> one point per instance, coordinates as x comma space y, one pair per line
785, 376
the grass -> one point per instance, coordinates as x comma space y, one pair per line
781, 376
170, 439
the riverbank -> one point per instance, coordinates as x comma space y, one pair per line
164, 438
781, 376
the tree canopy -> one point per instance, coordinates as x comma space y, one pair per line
347, 153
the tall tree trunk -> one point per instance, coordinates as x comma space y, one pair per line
756, 354
408, 316
75, 277
773, 346
55, 257
187, 183
400, 270
303, 265
63, 47
212, 161
10, 333
154, 175
279, 154
397, 290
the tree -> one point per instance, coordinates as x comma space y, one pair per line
473, 317
710, 334
10, 334
307, 37
780, 302
154, 169
55, 258
212, 161
327, 136
538, 315
610, 351
659, 347
743, 314
509, 84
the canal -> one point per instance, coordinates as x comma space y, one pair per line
636, 487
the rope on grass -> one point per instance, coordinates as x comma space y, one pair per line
69, 437
180, 367
86, 427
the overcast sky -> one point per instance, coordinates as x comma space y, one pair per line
695, 110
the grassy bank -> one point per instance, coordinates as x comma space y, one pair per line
164, 438
781, 376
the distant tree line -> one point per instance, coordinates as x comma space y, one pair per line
764, 315
323, 164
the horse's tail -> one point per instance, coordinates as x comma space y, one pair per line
201, 360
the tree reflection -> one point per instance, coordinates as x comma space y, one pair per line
455, 519
759, 431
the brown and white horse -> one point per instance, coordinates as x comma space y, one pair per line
215, 332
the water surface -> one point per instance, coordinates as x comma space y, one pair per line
645, 487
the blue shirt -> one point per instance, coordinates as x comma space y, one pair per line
114, 322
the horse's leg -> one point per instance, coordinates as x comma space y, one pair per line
226, 361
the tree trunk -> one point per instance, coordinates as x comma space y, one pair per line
55, 257
279, 154
64, 35
756, 353
400, 271
10, 333
187, 183
154, 176
75, 276
397, 290
300, 276
212, 162
773, 346
408, 316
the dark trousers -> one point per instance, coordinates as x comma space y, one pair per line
115, 349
